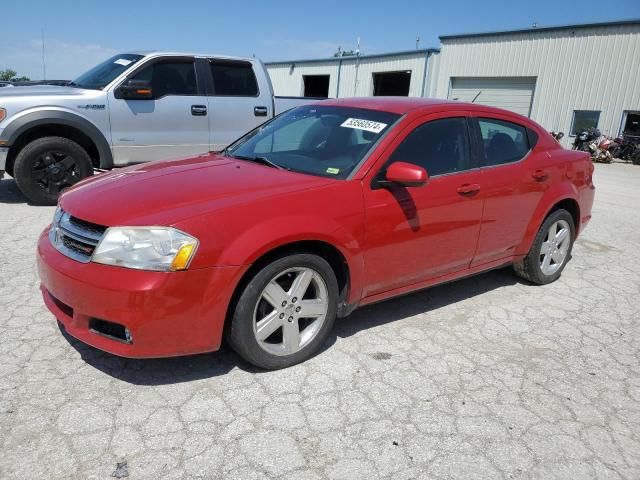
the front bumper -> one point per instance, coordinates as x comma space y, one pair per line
167, 313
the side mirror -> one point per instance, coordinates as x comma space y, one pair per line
406, 174
135, 90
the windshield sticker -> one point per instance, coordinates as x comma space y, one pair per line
333, 171
368, 125
123, 61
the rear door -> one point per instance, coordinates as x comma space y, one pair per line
418, 233
172, 124
513, 180
239, 100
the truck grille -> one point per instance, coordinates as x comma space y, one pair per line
75, 238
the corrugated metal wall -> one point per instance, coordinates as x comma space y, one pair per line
356, 77
595, 68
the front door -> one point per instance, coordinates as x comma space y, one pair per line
418, 233
172, 124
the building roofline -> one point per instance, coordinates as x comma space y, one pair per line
634, 21
424, 51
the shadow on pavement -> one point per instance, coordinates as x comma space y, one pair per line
10, 193
166, 371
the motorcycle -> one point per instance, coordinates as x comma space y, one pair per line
585, 138
625, 148
602, 152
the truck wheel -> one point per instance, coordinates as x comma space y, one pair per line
285, 312
550, 251
47, 166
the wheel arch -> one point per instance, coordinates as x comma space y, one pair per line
57, 123
323, 249
566, 198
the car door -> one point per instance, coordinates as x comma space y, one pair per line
172, 123
237, 104
417, 233
512, 182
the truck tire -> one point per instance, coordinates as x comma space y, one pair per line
550, 251
49, 165
285, 311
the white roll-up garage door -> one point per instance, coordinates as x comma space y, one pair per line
510, 93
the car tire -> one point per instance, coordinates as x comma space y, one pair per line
47, 166
269, 328
550, 251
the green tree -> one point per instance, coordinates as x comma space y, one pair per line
8, 74
345, 53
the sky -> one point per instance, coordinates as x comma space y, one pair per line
77, 35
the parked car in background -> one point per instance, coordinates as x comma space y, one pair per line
323, 209
132, 108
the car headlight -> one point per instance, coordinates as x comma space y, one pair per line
146, 248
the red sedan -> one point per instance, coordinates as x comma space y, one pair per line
323, 209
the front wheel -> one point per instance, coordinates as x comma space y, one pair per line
285, 312
550, 251
47, 166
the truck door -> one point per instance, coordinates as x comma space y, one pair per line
173, 123
238, 102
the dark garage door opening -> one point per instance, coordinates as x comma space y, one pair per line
393, 84
316, 86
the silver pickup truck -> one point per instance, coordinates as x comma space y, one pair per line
132, 108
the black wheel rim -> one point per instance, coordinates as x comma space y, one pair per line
54, 171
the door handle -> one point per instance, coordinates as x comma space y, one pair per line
468, 189
540, 175
198, 110
260, 111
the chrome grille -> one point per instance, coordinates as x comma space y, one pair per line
74, 237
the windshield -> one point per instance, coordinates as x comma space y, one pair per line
103, 74
327, 141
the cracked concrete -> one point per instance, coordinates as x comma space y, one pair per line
483, 378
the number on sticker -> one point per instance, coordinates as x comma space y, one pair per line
360, 124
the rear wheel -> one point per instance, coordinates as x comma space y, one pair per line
550, 251
49, 165
285, 311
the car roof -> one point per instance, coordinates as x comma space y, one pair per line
404, 105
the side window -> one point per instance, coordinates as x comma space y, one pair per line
170, 78
504, 142
234, 79
440, 146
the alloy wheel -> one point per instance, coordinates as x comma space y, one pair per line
555, 247
290, 311
55, 171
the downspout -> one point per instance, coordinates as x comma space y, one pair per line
338, 80
424, 76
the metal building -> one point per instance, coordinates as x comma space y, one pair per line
566, 77
399, 73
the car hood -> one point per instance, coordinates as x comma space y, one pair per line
41, 91
169, 192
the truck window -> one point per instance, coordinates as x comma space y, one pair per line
170, 78
232, 78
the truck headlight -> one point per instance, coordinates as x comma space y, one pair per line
146, 248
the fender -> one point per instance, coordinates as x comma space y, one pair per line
277, 232
60, 117
557, 193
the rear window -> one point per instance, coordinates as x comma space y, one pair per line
234, 79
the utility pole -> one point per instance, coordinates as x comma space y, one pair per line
44, 65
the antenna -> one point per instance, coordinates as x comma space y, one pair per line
44, 65
418, 42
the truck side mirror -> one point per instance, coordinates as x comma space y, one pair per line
134, 90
